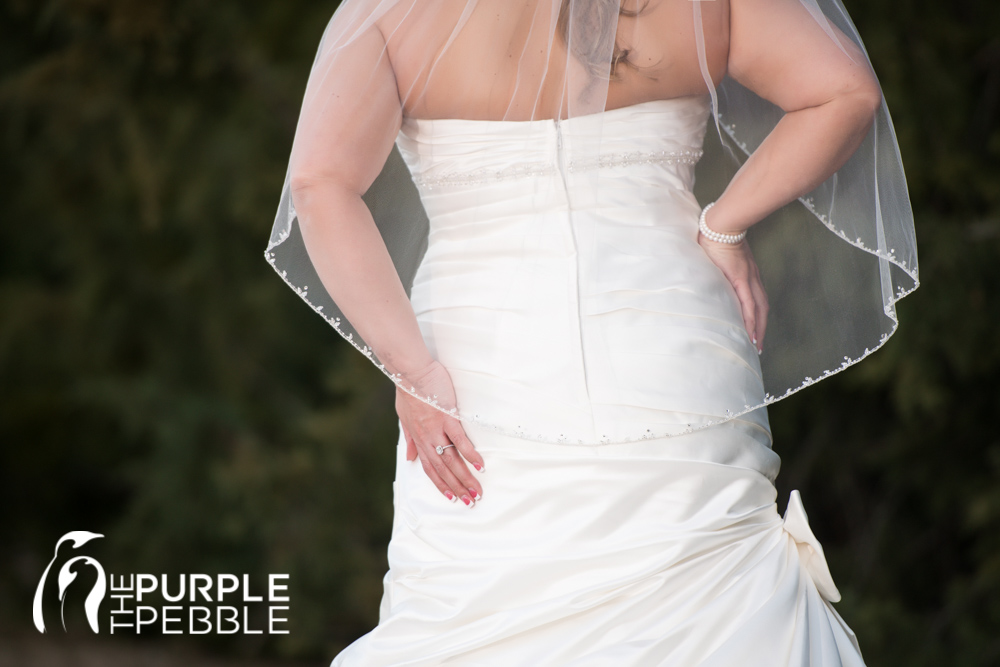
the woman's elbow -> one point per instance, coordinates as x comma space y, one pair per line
866, 97
301, 181
309, 186
316, 192
303, 190
305, 180
871, 96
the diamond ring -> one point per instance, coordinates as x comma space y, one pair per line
440, 449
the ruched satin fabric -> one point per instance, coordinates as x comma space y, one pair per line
577, 305
592, 311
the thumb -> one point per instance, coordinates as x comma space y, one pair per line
411, 447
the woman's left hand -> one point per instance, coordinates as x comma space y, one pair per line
737, 264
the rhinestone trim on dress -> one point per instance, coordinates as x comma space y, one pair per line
535, 169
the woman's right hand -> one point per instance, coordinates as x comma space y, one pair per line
426, 428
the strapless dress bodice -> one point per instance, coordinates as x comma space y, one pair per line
563, 286
454, 153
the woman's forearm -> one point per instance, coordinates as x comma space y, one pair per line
351, 260
805, 148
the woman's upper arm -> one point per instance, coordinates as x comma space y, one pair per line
779, 51
350, 117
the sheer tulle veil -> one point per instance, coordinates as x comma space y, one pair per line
834, 262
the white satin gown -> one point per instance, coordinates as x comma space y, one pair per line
582, 325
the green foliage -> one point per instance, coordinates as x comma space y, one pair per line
899, 458
157, 381
159, 384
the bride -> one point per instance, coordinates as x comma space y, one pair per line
532, 268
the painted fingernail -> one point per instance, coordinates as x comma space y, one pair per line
760, 352
475, 494
467, 500
479, 467
449, 495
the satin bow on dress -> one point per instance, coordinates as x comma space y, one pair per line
796, 524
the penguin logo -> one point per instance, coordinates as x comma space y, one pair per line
67, 576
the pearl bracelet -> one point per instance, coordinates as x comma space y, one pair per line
717, 236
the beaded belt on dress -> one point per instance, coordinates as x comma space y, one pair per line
536, 169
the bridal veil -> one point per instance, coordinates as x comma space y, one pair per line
834, 262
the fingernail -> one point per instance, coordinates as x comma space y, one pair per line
479, 467
760, 352
475, 494
467, 500
754, 338
449, 495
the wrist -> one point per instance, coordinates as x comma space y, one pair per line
718, 234
411, 368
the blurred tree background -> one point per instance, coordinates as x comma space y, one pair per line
159, 384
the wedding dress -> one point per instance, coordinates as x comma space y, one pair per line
658, 551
